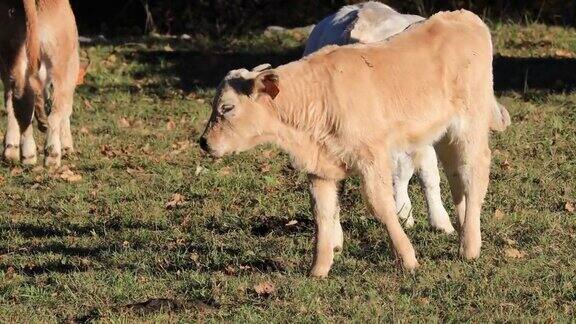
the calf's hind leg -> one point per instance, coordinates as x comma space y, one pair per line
466, 160
377, 185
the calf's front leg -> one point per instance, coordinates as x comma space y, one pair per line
329, 236
377, 184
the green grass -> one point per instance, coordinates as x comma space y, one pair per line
95, 248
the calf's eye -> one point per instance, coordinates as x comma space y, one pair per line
227, 108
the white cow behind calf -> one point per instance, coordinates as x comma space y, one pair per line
373, 22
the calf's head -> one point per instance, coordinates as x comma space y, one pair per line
241, 114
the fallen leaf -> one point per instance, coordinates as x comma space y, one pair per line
569, 207
267, 154
505, 165
16, 171
423, 301
170, 125
510, 241
175, 201
123, 122
564, 53
147, 149
291, 223
225, 171
84, 130
265, 167
498, 214
198, 170
10, 272
265, 288
513, 253
229, 270
70, 176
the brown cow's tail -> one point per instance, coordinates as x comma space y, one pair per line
500, 117
33, 56
32, 39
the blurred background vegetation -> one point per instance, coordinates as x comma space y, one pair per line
234, 17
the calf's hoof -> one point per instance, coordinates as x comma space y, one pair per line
11, 153
410, 265
470, 251
319, 272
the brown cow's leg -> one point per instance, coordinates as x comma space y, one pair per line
28, 146
328, 230
377, 183
58, 133
12, 136
66, 135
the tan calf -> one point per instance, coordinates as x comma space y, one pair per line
38, 47
350, 109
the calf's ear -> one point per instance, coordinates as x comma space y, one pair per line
267, 82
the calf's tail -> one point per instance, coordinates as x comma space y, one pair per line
500, 117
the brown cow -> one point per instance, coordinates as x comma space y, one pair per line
351, 108
38, 47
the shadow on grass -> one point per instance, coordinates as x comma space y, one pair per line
205, 69
31, 230
524, 73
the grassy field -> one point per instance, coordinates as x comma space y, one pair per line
140, 226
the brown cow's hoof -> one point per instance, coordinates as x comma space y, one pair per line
29, 160
52, 161
11, 153
67, 151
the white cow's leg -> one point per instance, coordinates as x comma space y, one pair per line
403, 171
430, 177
